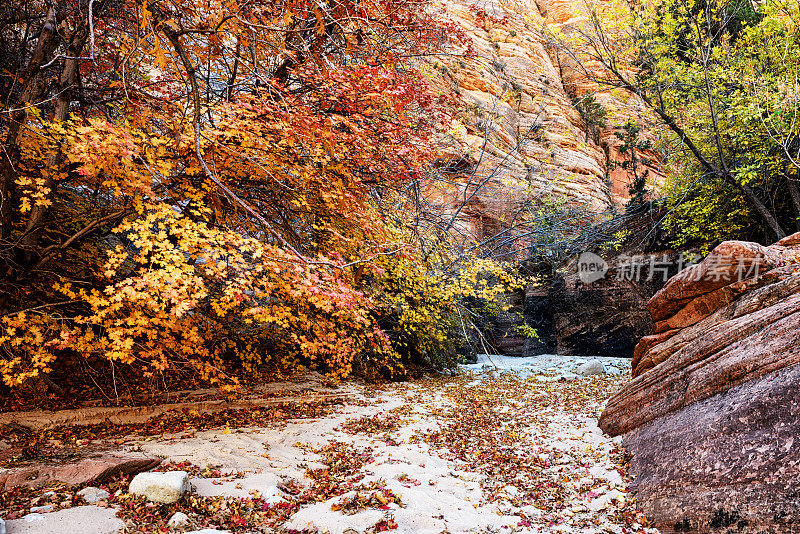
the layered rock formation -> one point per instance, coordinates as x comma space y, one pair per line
525, 165
712, 415
99, 469
520, 137
605, 317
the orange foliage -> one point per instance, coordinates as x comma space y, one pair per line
224, 193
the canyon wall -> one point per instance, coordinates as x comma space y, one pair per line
520, 137
528, 168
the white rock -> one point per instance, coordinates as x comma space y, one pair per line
165, 487
47, 508
91, 495
592, 367
610, 475
33, 518
178, 521
602, 502
540, 378
2, 527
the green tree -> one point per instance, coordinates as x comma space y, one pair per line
721, 78
632, 146
594, 116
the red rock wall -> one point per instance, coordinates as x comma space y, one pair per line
712, 416
537, 145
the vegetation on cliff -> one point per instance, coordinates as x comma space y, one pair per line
721, 79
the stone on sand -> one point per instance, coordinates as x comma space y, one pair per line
167, 487
179, 521
592, 367
91, 495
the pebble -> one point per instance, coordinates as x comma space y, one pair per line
178, 521
273, 495
91, 495
42, 509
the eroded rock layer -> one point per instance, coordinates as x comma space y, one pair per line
520, 135
711, 415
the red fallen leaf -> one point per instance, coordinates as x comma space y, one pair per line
385, 524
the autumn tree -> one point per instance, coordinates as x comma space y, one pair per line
207, 189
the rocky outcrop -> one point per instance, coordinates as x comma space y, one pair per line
520, 137
711, 416
605, 317
609, 316
88, 470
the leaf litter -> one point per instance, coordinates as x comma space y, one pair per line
473, 453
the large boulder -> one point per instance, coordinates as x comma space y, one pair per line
730, 262
712, 416
592, 367
728, 463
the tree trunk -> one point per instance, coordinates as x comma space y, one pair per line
794, 190
67, 80
32, 89
759, 206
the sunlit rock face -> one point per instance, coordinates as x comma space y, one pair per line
519, 137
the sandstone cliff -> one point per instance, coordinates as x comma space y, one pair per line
712, 416
520, 137
525, 164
